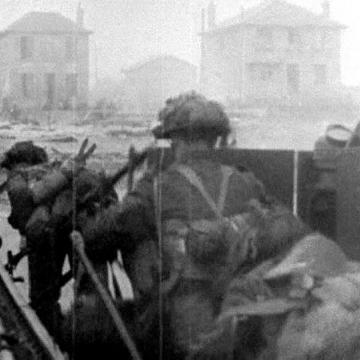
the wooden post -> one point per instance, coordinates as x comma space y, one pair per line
79, 247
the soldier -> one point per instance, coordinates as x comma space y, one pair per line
33, 185
303, 305
177, 229
273, 230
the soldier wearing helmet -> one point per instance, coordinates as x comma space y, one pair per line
33, 186
175, 228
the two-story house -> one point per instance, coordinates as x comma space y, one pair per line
44, 61
276, 50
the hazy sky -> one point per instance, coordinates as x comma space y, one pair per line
126, 31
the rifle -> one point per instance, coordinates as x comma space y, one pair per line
135, 160
13, 261
65, 278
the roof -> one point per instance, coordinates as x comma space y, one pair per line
44, 22
156, 59
277, 13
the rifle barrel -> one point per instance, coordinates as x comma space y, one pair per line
110, 182
137, 161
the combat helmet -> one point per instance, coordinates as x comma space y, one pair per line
191, 113
315, 255
24, 152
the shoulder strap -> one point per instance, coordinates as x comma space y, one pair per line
226, 174
194, 180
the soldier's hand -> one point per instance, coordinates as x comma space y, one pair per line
84, 154
72, 166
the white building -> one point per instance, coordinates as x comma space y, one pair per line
44, 61
276, 50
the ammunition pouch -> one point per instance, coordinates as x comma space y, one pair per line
206, 242
214, 242
204, 249
143, 268
50, 185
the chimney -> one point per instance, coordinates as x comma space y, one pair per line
211, 15
326, 9
80, 16
242, 12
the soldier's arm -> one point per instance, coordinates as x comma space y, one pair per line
54, 181
21, 201
121, 225
24, 199
50, 185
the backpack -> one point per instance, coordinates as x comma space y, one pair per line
219, 244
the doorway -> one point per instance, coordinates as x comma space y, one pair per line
50, 88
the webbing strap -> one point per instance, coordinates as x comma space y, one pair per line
226, 174
194, 180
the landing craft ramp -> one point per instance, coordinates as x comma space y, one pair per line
27, 337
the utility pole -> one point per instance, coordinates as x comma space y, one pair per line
202, 51
243, 85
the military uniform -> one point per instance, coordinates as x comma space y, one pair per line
151, 227
46, 255
193, 301
34, 189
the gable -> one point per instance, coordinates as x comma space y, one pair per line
162, 62
278, 13
44, 22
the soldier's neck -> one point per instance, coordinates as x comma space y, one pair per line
184, 149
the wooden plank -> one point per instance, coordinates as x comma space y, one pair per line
31, 318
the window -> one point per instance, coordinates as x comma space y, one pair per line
267, 74
71, 85
27, 85
49, 48
293, 78
262, 72
320, 75
321, 39
50, 86
69, 48
265, 37
221, 43
26, 47
293, 37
